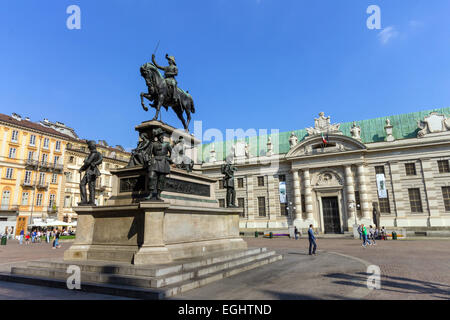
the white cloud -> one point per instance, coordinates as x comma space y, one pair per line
387, 34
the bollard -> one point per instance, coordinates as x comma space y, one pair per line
394, 235
270, 235
3, 241
256, 234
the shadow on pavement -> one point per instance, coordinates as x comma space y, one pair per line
392, 284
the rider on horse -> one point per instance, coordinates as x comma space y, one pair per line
169, 74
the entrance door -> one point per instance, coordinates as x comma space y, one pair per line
331, 219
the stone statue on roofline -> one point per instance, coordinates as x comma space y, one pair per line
322, 125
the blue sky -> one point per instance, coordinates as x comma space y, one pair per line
247, 63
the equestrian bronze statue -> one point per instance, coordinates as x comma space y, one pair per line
164, 91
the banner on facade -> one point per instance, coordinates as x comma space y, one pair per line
283, 198
381, 184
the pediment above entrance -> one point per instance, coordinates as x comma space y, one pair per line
327, 178
315, 145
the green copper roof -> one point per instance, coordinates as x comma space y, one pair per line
372, 130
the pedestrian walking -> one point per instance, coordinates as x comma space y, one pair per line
21, 236
296, 233
312, 240
359, 231
27, 238
372, 235
383, 233
364, 236
47, 234
56, 240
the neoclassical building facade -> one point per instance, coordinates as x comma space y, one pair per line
334, 175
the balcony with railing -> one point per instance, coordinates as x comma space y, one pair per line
27, 184
42, 185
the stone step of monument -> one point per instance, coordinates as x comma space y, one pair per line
98, 275
149, 271
56, 278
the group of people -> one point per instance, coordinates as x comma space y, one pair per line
35, 236
369, 236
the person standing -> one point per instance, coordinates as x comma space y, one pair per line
359, 231
21, 236
364, 235
48, 235
372, 235
296, 233
312, 240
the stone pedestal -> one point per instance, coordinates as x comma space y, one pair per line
188, 223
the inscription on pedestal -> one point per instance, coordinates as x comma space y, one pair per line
137, 184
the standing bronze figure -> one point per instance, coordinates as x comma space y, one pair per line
159, 165
165, 92
139, 156
228, 182
91, 162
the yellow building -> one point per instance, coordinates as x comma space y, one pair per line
31, 171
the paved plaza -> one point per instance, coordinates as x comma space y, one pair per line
410, 269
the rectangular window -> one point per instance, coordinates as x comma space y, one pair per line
41, 178
415, 200
443, 166
58, 146
39, 199
384, 204
27, 177
30, 155
52, 201
44, 159
46, 143
12, 153
260, 181
240, 182
15, 136
222, 203
25, 198
303, 203
56, 159
241, 204
283, 209
446, 196
410, 169
54, 178
67, 202
9, 173
379, 170
71, 159
282, 178
262, 206
221, 184
32, 140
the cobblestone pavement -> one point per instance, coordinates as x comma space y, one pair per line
411, 269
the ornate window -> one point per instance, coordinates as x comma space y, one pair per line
410, 169
415, 200
261, 181
241, 204
446, 196
15, 136
12, 153
262, 206
240, 182
443, 166
379, 170
32, 140
384, 204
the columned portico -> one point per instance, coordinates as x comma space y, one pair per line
297, 196
308, 194
350, 192
363, 192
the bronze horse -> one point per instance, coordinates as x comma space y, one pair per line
158, 93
